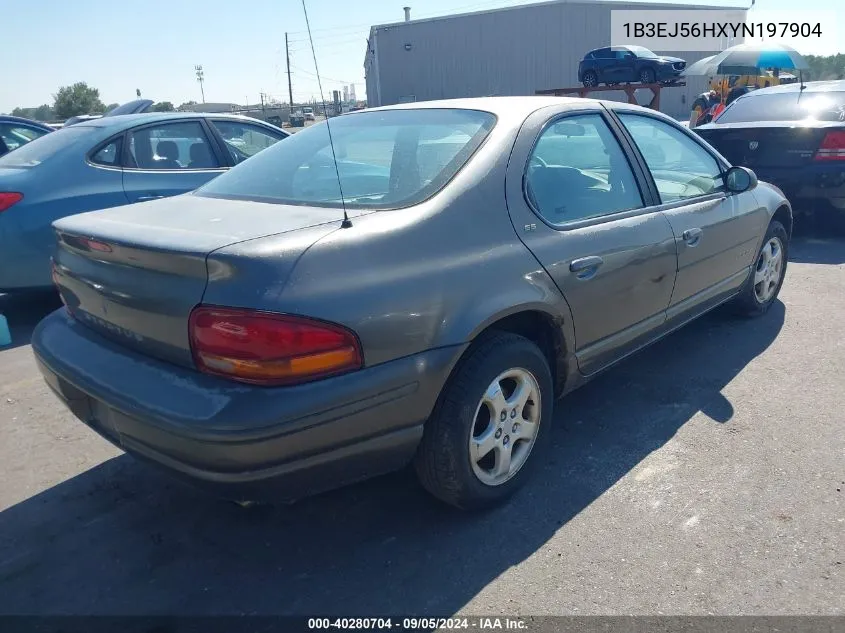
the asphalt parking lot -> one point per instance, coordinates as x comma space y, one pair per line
705, 475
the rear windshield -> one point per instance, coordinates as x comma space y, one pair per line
786, 106
385, 159
41, 149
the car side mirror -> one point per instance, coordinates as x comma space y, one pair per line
739, 179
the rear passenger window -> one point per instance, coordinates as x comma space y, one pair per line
171, 146
578, 171
108, 155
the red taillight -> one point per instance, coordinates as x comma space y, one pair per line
94, 245
832, 147
269, 349
7, 199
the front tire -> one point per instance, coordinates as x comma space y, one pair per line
647, 76
591, 79
766, 278
490, 424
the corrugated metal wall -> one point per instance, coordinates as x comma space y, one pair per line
511, 52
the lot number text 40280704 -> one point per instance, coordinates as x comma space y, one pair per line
416, 624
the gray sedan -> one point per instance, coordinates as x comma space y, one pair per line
423, 289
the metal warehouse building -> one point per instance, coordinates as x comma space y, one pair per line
512, 51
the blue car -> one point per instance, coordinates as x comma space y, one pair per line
109, 162
16, 131
627, 64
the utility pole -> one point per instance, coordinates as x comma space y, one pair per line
263, 109
287, 59
200, 78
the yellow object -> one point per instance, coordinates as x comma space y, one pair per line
724, 84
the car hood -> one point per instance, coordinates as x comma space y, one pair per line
670, 60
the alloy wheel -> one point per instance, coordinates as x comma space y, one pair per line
505, 426
769, 270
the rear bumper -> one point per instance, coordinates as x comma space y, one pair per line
244, 442
822, 180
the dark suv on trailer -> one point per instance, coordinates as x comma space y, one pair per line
626, 64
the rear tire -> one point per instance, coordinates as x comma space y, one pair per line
766, 278
591, 79
490, 425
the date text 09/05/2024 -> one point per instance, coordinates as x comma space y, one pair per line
414, 624
722, 29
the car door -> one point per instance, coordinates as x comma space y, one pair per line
241, 140
716, 233
168, 158
580, 205
603, 64
621, 68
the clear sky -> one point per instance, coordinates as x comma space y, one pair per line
120, 45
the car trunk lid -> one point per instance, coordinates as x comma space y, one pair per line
134, 273
765, 144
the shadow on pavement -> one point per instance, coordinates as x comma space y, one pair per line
123, 539
819, 239
24, 311
817, 249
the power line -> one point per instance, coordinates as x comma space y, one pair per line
308, 72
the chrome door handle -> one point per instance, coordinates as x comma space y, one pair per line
692, 236
145, 198
585, 267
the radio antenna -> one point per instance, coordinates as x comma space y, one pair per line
346, 221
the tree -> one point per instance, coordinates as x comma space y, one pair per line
826, 67
187, 104
111, 106
77, 99
42, 113
162, 106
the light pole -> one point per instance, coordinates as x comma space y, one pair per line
200, 78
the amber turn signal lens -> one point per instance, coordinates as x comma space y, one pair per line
270, 349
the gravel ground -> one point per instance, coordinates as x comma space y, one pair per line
704, 475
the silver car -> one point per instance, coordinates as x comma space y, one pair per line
422, 290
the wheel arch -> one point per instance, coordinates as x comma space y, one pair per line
783, 214
552, 333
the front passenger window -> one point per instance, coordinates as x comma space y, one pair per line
681, 168
578, 171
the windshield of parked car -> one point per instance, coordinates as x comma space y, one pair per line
639, 51
385, 158
786, 106
39, 150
